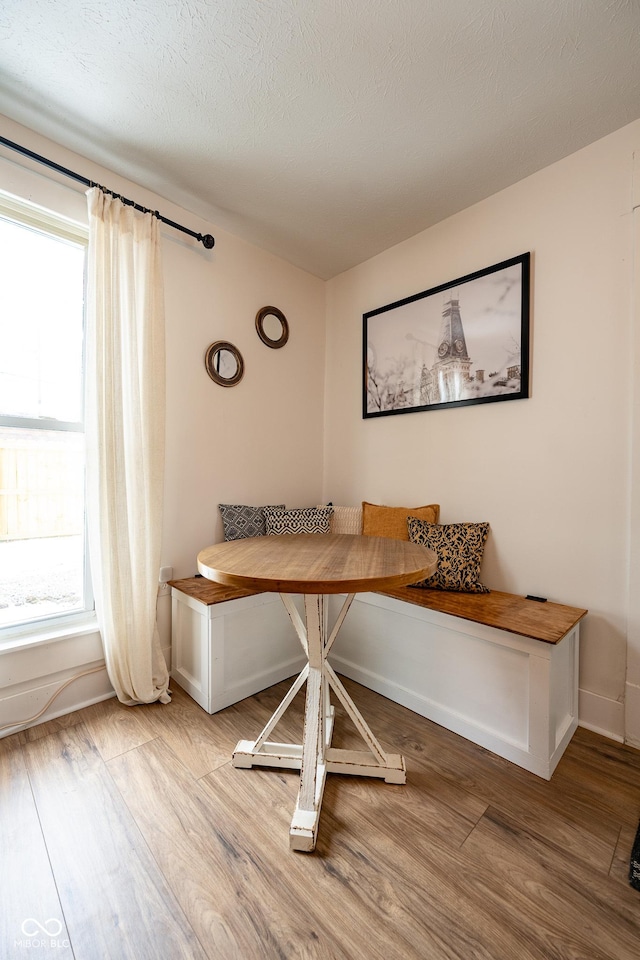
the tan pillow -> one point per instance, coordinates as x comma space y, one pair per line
380, 521
346, 520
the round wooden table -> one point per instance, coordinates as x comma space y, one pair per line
316, 565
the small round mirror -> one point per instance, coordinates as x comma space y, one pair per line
224, 363
272, 327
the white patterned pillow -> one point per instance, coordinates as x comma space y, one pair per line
240, 521
346, 519
304, 520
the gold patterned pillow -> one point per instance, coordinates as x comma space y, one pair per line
459, 548
381, 521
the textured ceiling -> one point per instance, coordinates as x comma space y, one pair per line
322, 130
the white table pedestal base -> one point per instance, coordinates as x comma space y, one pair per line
315, 757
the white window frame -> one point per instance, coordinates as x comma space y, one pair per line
50, 626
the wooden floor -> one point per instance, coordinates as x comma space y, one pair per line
126, 832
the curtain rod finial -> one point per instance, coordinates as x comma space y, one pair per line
207, 241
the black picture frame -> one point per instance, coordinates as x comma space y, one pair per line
458, 344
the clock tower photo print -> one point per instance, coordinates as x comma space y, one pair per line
461, 343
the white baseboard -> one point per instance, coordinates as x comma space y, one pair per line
632, 714
601, 715
37, 672
20, 709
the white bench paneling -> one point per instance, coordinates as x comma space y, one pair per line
513, 695
224, 652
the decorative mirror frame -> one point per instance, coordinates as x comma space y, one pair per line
209, 362
279, 315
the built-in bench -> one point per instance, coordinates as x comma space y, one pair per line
545, 621
496, 668
228, 643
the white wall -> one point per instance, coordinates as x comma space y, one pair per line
258, 442
550, 473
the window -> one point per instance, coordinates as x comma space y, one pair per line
43, 556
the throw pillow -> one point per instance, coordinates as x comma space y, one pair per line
459, 547
240, 521
346, 519
381, 521
304, 520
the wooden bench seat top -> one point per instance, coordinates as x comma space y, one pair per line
505, 611
208, 592
549, 622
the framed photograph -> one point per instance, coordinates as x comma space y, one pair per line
464, 342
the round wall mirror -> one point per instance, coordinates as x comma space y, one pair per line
272, 327
224, 363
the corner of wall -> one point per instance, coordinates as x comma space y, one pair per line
602, 715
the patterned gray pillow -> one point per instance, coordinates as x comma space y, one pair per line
306, 520
240, 521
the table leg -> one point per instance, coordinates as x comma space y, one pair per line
315, 757
313, 772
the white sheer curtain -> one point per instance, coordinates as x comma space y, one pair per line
125, 414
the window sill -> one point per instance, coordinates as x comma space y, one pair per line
79, 626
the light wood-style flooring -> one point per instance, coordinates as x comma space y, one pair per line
126, 833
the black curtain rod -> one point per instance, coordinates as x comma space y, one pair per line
205, 239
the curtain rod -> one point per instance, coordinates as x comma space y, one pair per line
205, 239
